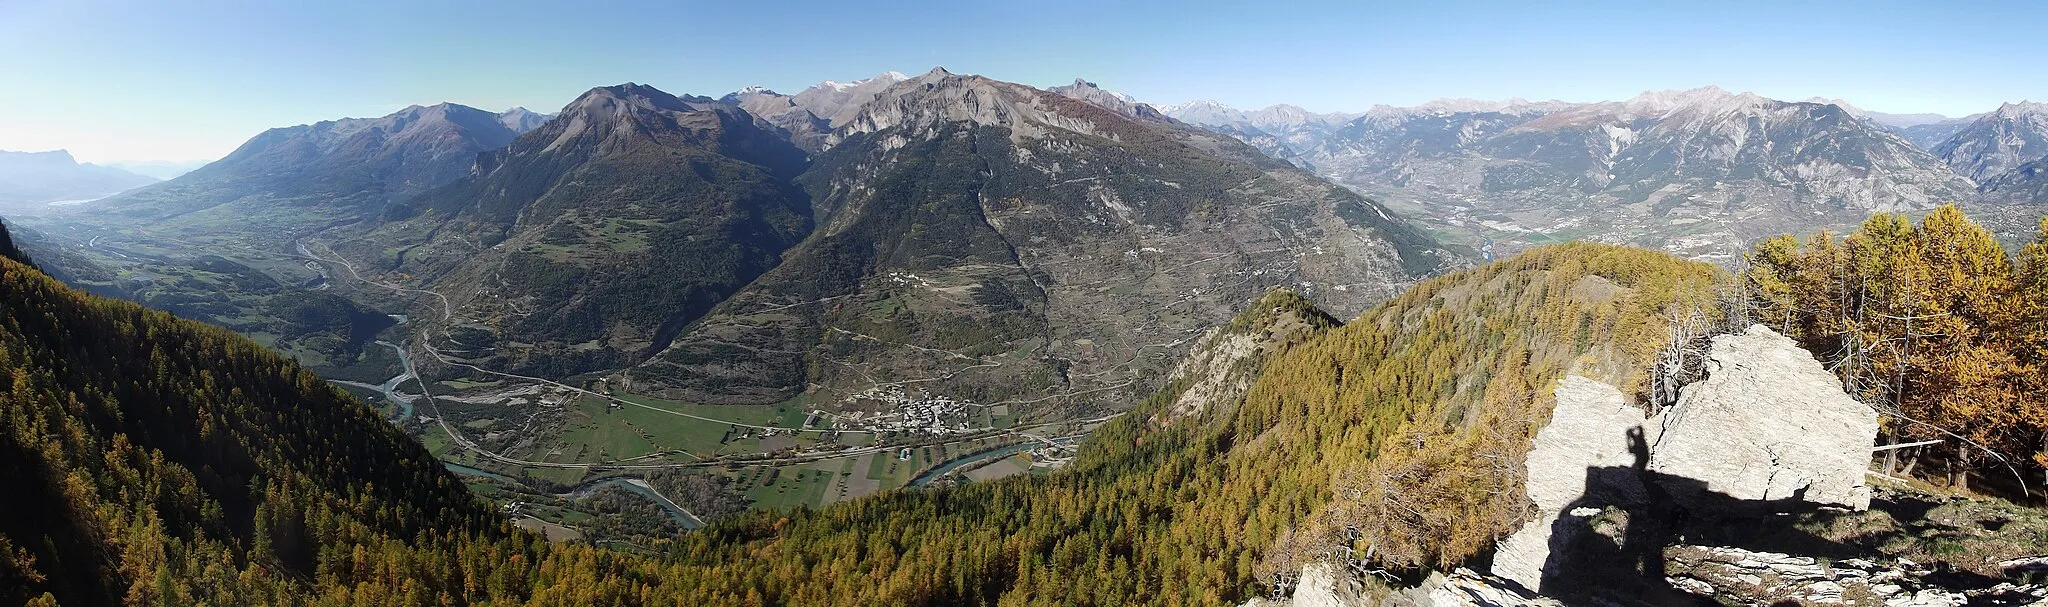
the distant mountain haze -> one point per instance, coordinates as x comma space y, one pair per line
361, 163
1700, 172
160, 169
28, 179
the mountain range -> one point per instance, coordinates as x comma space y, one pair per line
1699, 172
585, 231
181, 462
811, 114
950, 213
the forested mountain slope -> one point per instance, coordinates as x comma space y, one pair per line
236, 478
187, 465
1405, 423
1934, 324
151, 460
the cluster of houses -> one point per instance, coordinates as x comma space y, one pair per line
910, 413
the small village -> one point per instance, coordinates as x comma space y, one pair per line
905, 412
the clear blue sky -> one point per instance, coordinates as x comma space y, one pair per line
191, 79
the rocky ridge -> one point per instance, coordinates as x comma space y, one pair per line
1759, 577
1675, 508
1767, 429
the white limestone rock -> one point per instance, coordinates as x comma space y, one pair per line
1588, 429
1463, 587
1324, 585
1743, 576
1768, 423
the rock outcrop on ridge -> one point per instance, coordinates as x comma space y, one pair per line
1588, 430
1767, 431
1768, 423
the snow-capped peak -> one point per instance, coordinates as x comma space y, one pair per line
1846, 106
1205, 112
2022, 108
1210, 103
1707, 99
1445, 107
1198, 104
1288, 116
1462, 105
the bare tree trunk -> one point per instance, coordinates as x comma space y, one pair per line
1891, 456
1911, 463
1963, 474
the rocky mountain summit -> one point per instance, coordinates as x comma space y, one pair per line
2006, 152
1110, 100
1998, 142
1767, 423
1767, 428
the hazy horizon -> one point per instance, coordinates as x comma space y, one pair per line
193, 82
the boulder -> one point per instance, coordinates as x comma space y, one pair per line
1767, 427
1589, 430
1768, 423
1466, 588
1325, 585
